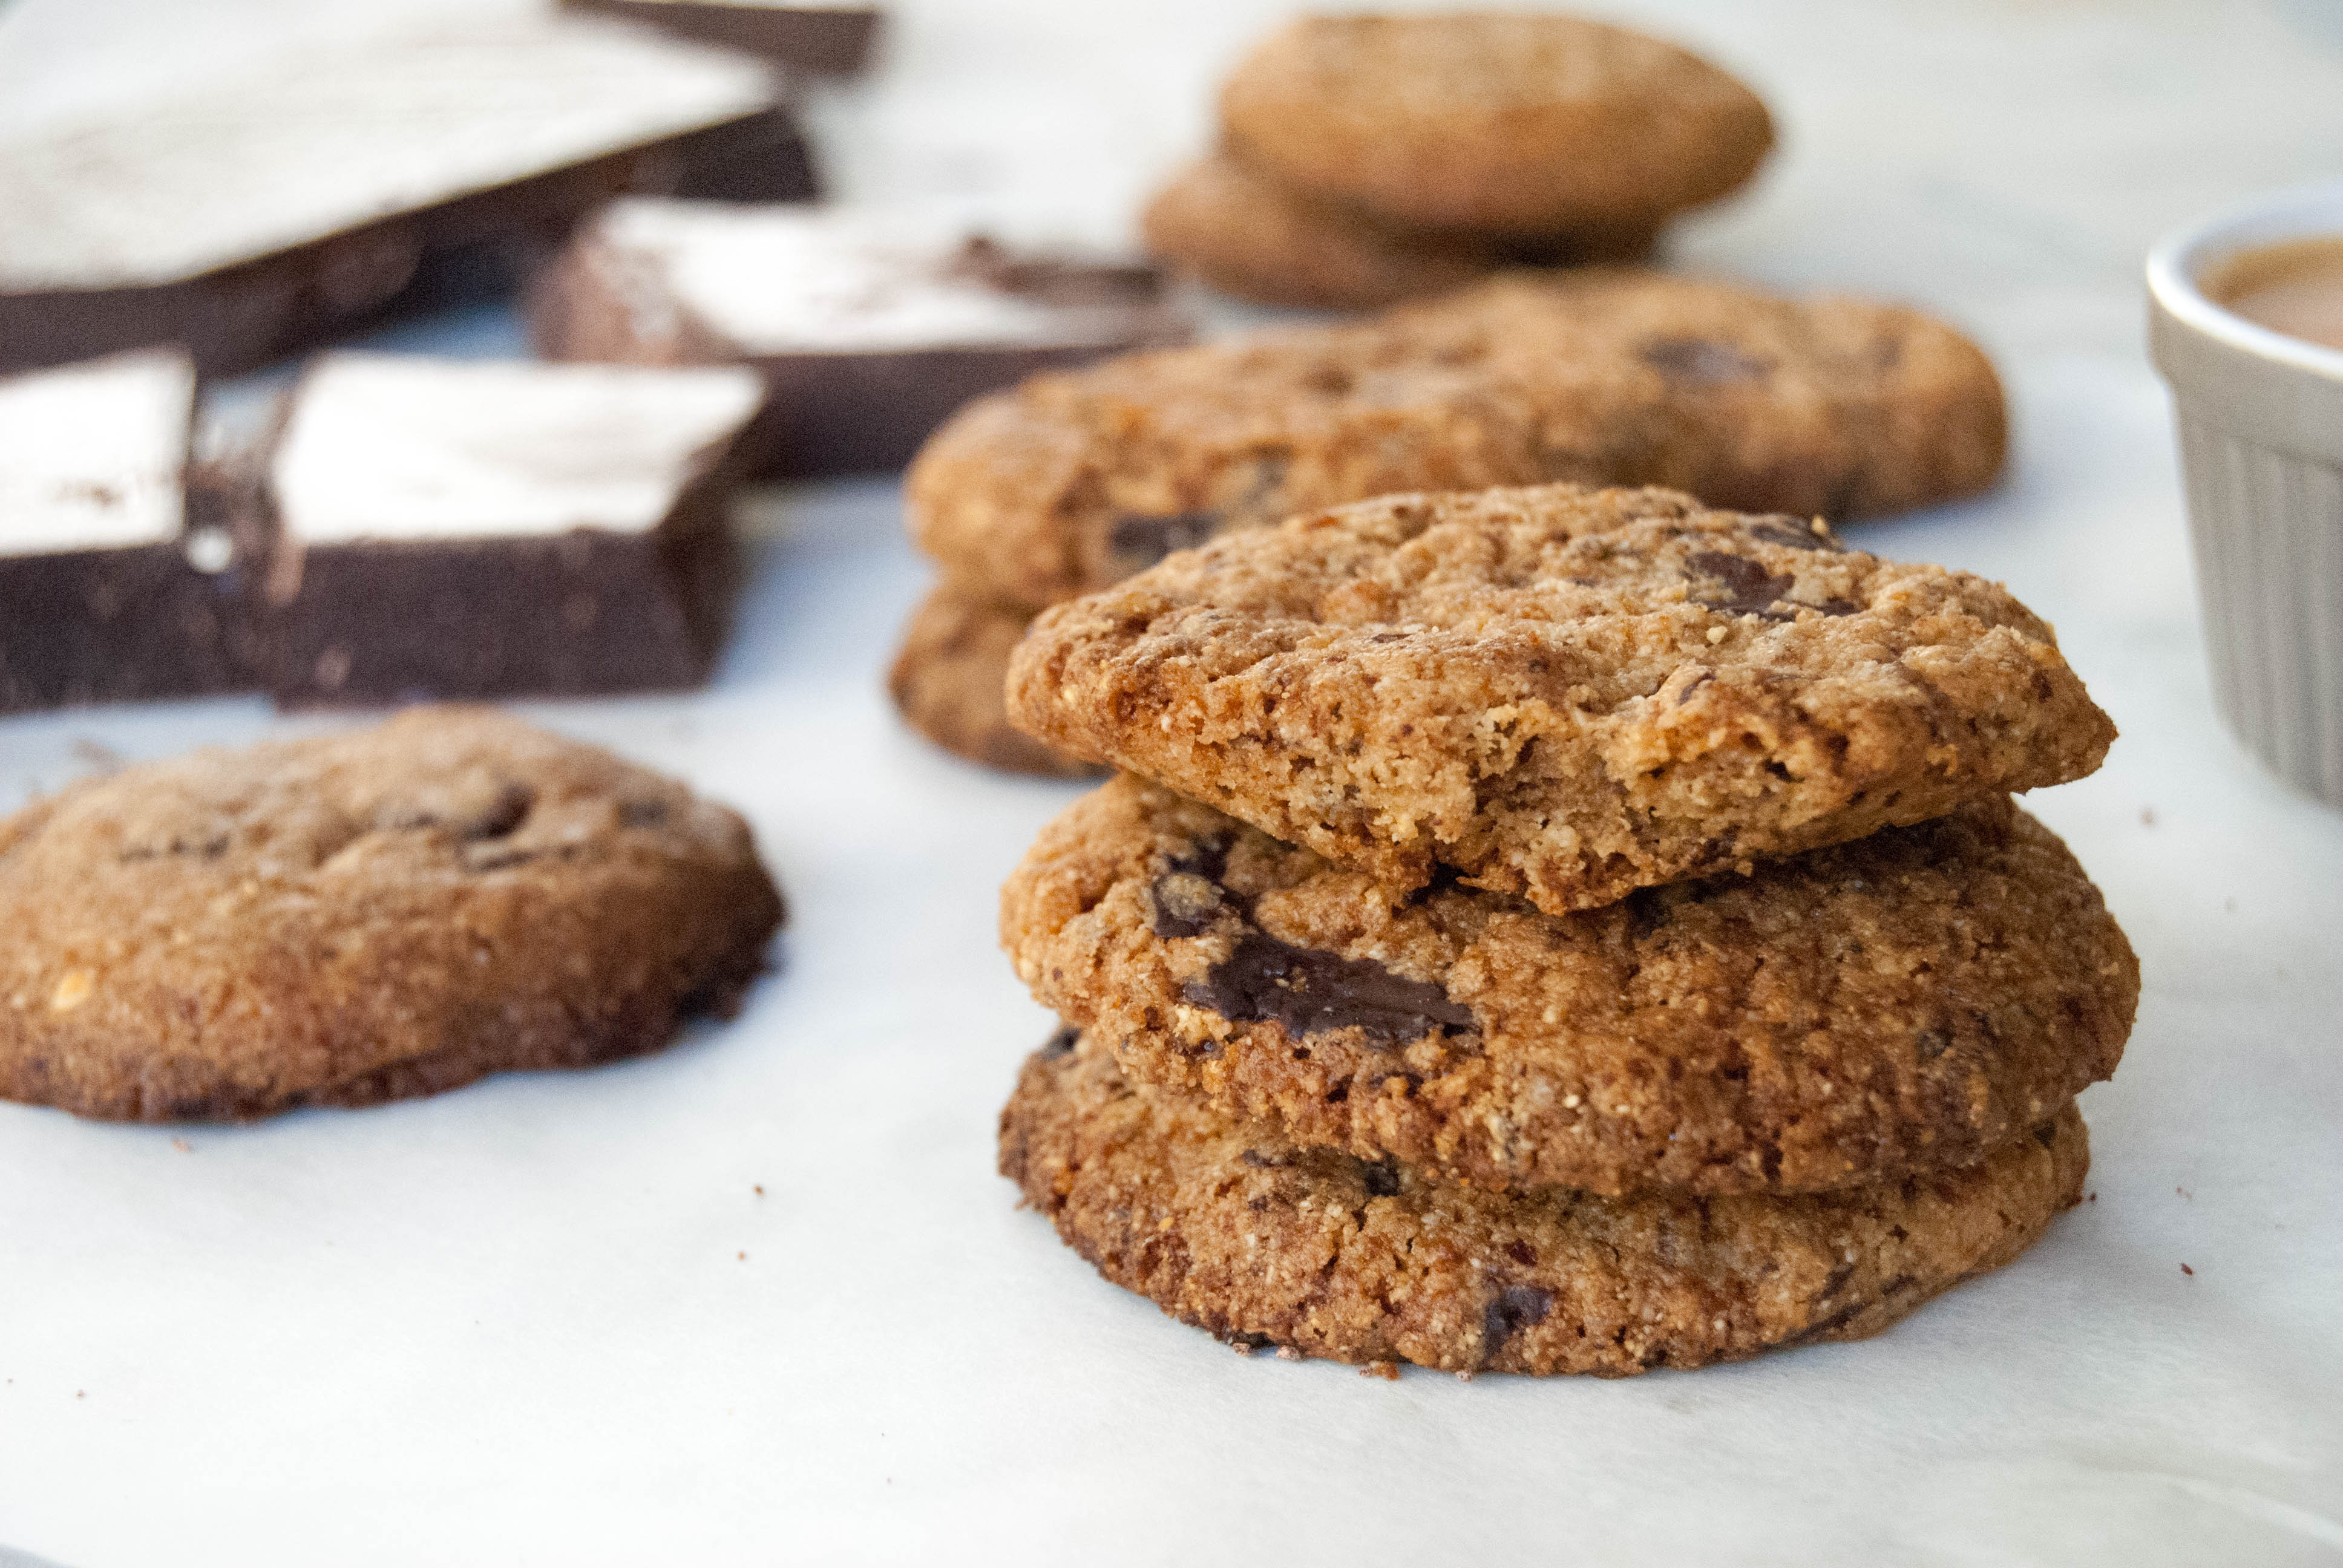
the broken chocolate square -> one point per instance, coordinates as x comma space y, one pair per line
106, 592
870, 331
476, 528
264, 211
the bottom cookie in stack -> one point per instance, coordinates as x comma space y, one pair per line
1441, 1125
1263, 1241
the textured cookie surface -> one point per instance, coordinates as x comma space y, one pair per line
1560, 692
1240, 1233
1508, 122
1835, 407
947, 682
362, 916
1247, 237
1900, 1004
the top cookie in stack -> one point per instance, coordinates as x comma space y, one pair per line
1556, 930
1365, 159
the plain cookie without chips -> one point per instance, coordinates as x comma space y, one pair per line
1240, 1234
1562, 693
1512, 122
1833, 406
1895, 1006
362, 916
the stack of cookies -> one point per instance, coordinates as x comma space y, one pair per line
1366, 159
1555, 929
1071, 482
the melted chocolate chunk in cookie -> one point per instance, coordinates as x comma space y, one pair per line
1139, 541
1749, 588
1511, 1309
1308, 991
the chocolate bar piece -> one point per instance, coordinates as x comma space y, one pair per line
265, 212
481, 528
833, 40
870, 331
106, 592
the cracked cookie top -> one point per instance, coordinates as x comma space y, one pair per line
1558, 692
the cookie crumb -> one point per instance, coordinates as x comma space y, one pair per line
759, 1190
1288, 1354
2148, 816
1387, 1371
73, 990
2188, 1271
743, 1257
183, 1146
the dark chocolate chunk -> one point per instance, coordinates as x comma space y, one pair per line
1307, 991
1700, 360
1183, 905
1187, 897
1749, 588
1382, 1178
1511, 1309
1140, 542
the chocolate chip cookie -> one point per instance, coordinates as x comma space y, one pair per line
1508, 122
1224, 225
947, 682
1845, 409
1895, 1006
1562, 693
1239, 1231
362, 916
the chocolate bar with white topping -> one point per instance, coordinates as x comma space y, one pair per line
258, 213
108, 591
448, 528
870, 329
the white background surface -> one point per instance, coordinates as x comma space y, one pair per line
513, 1325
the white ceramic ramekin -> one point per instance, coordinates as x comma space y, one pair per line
2261, 453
